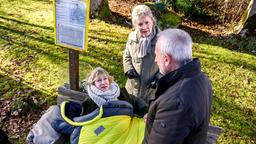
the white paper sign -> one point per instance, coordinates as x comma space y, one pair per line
71, 23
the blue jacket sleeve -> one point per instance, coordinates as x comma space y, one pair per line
59, 124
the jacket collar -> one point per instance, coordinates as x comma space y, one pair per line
188, 70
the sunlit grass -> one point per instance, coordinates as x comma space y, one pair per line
233, 78
29, 60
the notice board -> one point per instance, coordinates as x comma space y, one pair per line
71, 21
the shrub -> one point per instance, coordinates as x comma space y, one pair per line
165, 17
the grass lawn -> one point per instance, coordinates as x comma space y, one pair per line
31, 65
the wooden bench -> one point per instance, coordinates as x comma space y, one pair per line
79, 97
71, 95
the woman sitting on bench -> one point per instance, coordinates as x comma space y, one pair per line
104, 118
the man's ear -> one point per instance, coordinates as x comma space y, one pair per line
167, 60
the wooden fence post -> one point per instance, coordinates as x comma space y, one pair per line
74, 69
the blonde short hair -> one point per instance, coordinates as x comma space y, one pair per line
141, 10
96, 73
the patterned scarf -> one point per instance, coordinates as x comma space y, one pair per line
100, 97
145, 44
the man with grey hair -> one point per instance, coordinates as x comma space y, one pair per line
180, 112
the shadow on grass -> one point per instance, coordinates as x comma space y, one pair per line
45, 1
105, 58
33, 41
40, 42
25, 23
15, 87
106, 41
231, 61
232, 42
29, 38
22, 33
17, 94
108, 33
236, 120
32, 47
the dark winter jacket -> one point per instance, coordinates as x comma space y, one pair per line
180, 112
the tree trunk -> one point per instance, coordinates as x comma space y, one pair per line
251, 9
100, 9
94, 5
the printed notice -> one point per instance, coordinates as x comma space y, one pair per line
71, 23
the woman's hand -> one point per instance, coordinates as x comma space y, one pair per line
131, 74
145, 117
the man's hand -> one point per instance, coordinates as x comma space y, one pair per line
131, 74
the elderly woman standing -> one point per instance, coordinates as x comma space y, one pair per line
138, 58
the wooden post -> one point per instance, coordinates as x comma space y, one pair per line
74, 69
